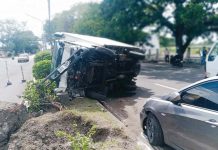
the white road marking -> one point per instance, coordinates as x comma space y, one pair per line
166, 86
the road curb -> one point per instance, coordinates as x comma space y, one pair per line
110, 110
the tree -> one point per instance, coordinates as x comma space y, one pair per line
82, 18
24, 41
90, 21
185, 19
123, 18
14, 37
94, 19
7, 29
63, 22
166, 42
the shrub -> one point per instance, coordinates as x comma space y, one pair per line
34, 94
78, 141
41, 69
42, 55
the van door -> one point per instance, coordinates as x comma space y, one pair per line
212, 61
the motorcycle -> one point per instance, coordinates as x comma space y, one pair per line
176, 61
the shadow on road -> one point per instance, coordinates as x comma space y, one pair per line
128, 108
192, 72
129, 100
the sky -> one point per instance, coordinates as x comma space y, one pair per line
34, 12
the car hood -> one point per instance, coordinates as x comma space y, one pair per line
156, 104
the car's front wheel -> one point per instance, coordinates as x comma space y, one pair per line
154, 131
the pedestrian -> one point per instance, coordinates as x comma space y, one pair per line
166, 55
203, 54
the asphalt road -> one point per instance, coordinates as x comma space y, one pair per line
12, 92
154, 80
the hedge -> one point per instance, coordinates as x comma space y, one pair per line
42, 55
41, 69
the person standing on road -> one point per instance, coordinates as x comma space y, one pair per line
166, 55
203, 54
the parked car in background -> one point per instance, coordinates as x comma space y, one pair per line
185, 120
23, 58
212, 61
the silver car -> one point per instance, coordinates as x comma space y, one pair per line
184, 120
23, 58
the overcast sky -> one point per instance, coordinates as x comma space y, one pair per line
34, 12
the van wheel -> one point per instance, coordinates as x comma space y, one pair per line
154, 131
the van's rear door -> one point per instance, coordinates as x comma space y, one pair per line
212, 61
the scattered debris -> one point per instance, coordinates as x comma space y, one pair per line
12, 116
40, 132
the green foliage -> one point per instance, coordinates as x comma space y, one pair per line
25, 41
42, 55
78, 141
124, 20
90, 21
34, 94
13, 37
189, 19
166, 42
94, 19
41, 69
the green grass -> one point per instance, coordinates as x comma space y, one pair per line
91, 111
89, 108
195, 50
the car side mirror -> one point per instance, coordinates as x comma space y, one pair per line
189, 98
174, 97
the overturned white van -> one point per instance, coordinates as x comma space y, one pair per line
212, 61
83, 65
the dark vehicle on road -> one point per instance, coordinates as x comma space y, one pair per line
94, 66
185, 120
176, 61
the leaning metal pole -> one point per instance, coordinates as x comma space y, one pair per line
6, 65
49, 22
23, 80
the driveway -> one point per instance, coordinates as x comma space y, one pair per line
154, 80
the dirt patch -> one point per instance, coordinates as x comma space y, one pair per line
40, 133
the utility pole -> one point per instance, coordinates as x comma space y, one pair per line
49, 20
43, 38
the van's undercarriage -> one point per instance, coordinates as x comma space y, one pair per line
96, 65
